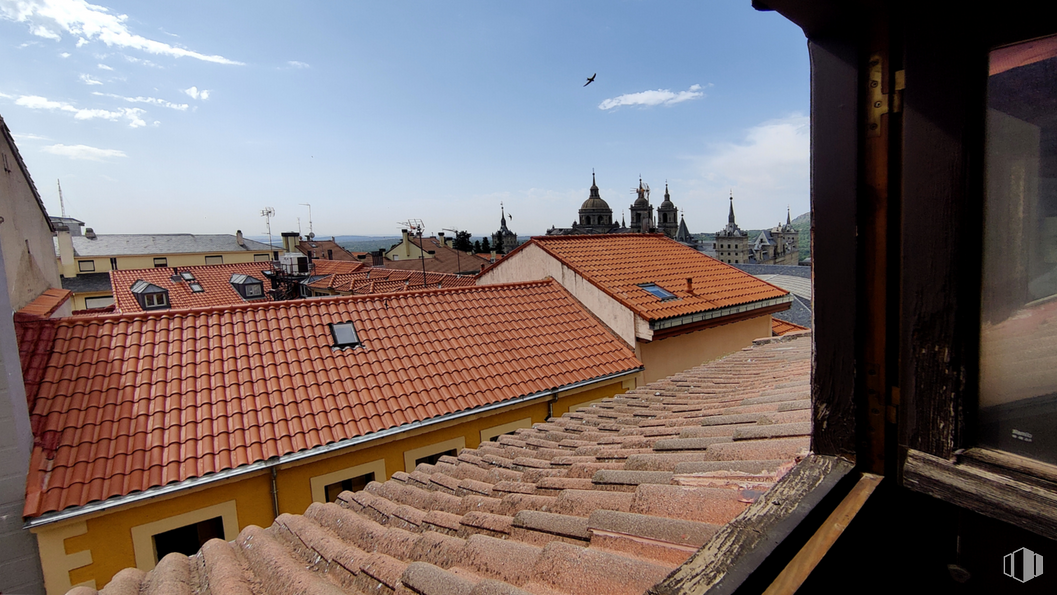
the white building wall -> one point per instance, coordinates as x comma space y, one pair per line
532, 263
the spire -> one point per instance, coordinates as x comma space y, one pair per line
730, 217
666, 196
594, 186
788, 221
502, 217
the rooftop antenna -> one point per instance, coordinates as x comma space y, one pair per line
458, 264
268, 213
62, 205
415, 226
311, 234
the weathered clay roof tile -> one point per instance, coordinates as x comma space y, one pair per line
554, 531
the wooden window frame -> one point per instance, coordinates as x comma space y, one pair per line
932, 279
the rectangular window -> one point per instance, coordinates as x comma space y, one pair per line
353, 484
98, 302
187, 539
433, 458
86, 266
215, 259
161, 262
113, 264
344, 334
155, 300
1018, 326
658, 291
261, 258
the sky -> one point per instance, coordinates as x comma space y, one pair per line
193, 116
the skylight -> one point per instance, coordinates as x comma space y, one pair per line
195, 287
659, 292
187, 276
344, 334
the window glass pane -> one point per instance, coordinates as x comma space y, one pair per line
86, 266
354, 484
215, 259
161, 262
188, 539
1018, 336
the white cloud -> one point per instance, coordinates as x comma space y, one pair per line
103, 67
194, 93
83, 152
141, 61
29, 136
296, 64
42, 31
88, 80
132, 114
65, 54
767, 171
658, 97
151, 100
92, 22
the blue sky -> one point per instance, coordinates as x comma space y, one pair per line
193, 116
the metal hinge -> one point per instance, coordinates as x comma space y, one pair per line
878, 101
882, 103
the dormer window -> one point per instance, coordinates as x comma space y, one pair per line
150, 296
659, 292
249, 288
344, 334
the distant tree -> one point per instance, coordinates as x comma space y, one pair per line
486, 246
477, 246
462, 241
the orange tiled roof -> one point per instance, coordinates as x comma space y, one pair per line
365, 279
47, 303
781, 327
325, 250
607, 499
445, 259
619, 263
129, 402
214, 278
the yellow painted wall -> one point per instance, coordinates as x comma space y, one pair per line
79, 299
108, 539
102, 263
665, 357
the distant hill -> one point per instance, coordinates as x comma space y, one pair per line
366, 243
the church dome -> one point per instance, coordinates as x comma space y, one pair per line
643, 192
594, 202
667, 203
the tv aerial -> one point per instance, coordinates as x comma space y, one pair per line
268, 213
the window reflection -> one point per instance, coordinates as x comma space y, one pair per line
1018, 343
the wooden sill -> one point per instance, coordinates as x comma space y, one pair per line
1007, 487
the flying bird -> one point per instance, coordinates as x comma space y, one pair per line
591, 79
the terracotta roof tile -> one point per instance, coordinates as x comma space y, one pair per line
620, 263
47, 303
215, 280
122, 382
781, 327
580, 538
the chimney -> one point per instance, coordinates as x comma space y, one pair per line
406, 244
690, 285
67, 265
440, 236
377, 259
238, 238
89, 233
290, 240
492, 259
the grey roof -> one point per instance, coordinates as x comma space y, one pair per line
87, 283
120, 244
794, 279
